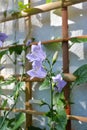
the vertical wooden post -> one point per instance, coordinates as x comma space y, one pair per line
28, 91
28, 88
66, 56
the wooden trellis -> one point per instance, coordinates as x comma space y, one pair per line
69, 77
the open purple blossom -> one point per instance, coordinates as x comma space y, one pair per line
37, 70
3, 37
37, 53
59, 82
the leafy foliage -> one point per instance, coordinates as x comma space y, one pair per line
78, 40
48, 1
45, 84
81, 74
13, 123
2, 53
23, 6
17, 49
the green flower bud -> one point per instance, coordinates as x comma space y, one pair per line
55, 56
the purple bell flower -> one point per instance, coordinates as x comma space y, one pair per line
59, 82
37, 54
3, 37
37, 70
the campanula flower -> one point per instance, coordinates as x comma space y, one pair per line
37, 53
37, 70
3, 37
59, 82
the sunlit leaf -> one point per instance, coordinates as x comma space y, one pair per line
48, 1
23, 6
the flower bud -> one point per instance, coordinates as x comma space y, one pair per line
55, 56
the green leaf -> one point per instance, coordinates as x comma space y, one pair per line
45, 84
48, 1
81, 74
20, 119
61, 120
3, 52
17, 49
17, 89
22, 6
78, 40
7, 82
4, 103
5, 125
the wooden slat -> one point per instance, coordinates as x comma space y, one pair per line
33, 112
43, 8
67, 77
47, 42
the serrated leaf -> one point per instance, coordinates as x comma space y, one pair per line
45, 84
81, 74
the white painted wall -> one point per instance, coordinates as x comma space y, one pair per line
47, 26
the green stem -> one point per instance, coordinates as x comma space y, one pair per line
51, 103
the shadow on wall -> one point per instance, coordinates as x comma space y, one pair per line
78, 53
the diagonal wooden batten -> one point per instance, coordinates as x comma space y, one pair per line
33, 112
79, 118
67, 77
47, 42
42, 8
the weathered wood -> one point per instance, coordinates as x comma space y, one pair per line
65, 50
47, 42
28, 112
28, 95
67, 77
42, 8
33, 112
28, 88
